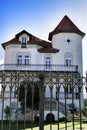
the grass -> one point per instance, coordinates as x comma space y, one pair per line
85, 102
46, 126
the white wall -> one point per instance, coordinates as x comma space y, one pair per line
59, 41
12, 51
74, 46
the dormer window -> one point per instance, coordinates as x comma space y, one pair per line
24, 41
24, 38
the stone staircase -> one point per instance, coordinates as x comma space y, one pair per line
76, 116
69, 113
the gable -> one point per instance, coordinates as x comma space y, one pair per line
46, 46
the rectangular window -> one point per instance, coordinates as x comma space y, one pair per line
19, 60
48, 62
23, 41
48, 105
68, 62
27, 60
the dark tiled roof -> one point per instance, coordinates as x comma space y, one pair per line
33, 40
48, 50
22, 32
66, 25
46, 45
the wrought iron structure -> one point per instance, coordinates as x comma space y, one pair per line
10, 81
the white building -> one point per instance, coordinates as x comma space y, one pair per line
62, 53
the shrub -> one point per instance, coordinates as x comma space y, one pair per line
7, 112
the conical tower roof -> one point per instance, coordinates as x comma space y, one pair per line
66, 25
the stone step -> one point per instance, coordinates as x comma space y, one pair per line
76, 117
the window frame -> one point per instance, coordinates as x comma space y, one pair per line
27, 60
19, 59
68, 59
24, 41
48, 61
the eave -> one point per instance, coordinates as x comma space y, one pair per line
67, 26
48, 50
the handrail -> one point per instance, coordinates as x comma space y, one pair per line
39, 67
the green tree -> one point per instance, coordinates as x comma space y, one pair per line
85, 108
32, 95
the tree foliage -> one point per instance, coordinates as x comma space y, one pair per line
31, 96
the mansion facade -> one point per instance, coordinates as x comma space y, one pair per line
61, 55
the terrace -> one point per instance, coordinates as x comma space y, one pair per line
39, 67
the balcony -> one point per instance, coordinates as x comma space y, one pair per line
38, 67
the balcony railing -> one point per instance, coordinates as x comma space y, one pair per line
38, 67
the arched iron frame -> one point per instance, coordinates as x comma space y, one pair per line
14, 78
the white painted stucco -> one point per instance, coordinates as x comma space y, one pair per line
59, 41
74, 46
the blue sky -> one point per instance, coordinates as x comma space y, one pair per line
39, 17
